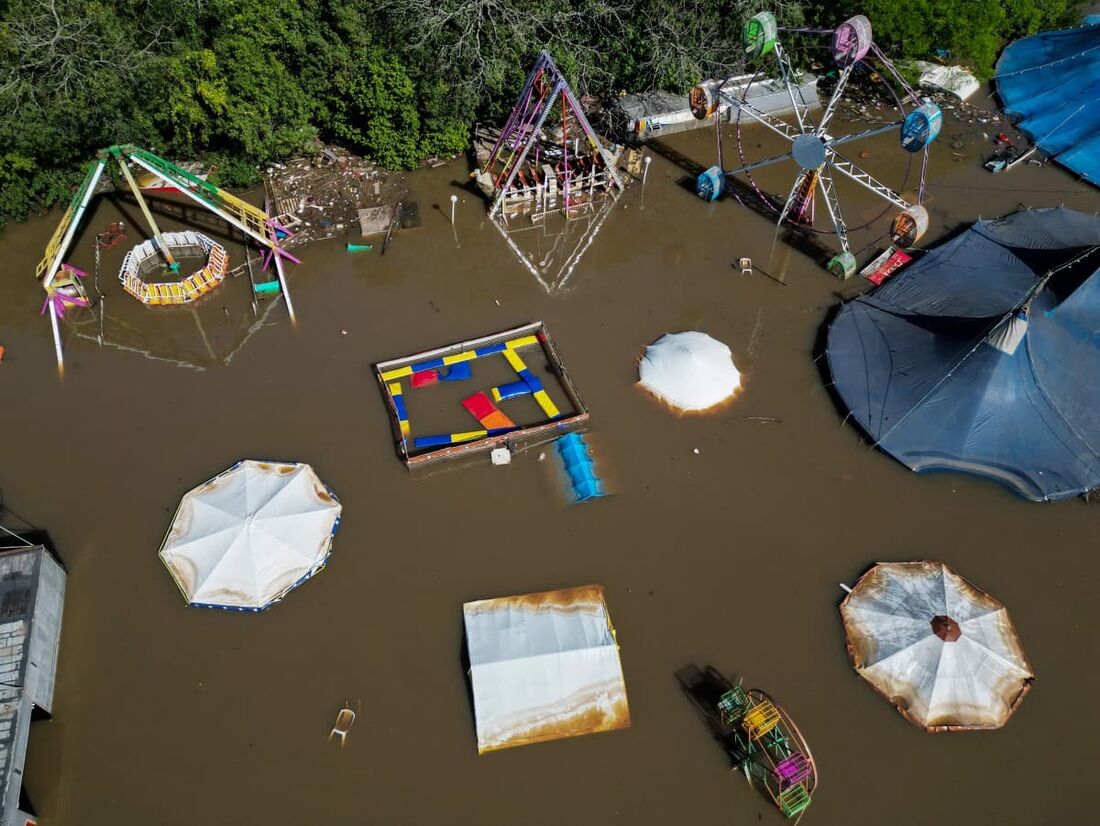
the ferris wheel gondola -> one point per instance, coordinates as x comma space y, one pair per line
813, 149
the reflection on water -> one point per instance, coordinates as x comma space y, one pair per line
552, 247
205, 334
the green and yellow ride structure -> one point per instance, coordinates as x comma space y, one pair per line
62, 283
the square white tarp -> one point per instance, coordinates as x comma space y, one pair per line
544, 666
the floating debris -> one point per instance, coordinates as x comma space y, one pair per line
321, 195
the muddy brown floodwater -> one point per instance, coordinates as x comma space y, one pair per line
730, 556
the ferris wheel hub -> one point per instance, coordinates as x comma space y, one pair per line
808, 151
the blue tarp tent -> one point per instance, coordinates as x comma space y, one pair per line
984, 355
1051, 82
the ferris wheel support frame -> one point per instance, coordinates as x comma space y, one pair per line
812, 147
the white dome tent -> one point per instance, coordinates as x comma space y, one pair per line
244, 539
689, 371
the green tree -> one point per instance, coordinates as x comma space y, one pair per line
373, 108
971, 31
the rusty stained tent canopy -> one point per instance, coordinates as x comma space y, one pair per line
942, 651
544, 666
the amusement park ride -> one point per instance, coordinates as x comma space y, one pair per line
524, 167
546, 164
759, 737
816, 152
62, 282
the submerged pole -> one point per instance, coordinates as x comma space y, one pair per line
282, 284
251, 280
454, 229
57, 339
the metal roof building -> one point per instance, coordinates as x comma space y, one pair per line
32, 593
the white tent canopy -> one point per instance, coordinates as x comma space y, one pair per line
945, 653
544, 666
690, 371
248, 536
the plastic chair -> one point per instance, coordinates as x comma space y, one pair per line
345, 719
746, 266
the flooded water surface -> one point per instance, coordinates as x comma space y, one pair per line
724, 543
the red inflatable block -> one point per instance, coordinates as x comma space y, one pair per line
486, 412
424, 378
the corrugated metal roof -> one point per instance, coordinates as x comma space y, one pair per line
31, 595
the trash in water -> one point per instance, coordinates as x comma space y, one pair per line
325, 192
345, 719
578, 466
955, 80
889, 261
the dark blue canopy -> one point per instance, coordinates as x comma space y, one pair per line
973, 359
1052, 82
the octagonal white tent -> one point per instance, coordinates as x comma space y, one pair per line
942, 651
245, 538
690, 371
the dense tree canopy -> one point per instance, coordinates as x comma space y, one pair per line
971, 32
245, 82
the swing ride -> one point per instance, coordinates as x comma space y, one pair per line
816, 152
528, 168
758, 735
547, 163
140, 275
143, 260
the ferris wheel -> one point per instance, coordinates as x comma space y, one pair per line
815, 151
